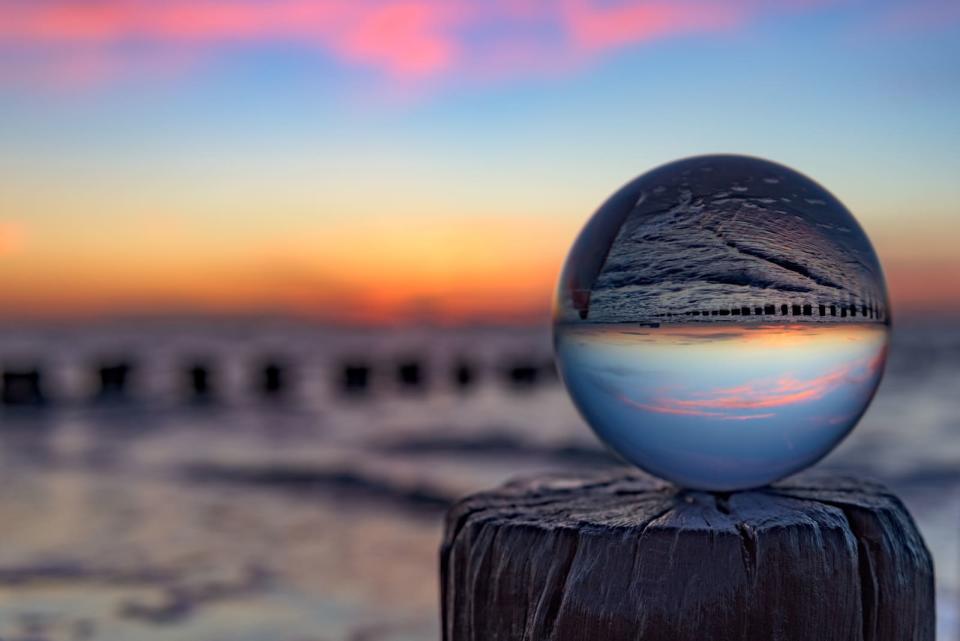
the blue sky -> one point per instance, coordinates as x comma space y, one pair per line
244, 132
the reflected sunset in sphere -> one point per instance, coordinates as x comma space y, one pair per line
721, 322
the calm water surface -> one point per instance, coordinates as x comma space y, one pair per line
317, 518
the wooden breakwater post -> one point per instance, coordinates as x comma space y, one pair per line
622, 556
22, 388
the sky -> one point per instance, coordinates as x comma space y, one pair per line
395, 161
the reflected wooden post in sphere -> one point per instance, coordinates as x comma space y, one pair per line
624, 557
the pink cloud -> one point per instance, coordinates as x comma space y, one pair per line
102, 21
596, 26
404, 40
667, 407
764, 394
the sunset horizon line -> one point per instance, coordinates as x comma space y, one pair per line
534, 317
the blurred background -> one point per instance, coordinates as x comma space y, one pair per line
275, 277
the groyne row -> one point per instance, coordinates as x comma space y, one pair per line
280, 380
866, 311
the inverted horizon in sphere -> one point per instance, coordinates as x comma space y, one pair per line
721, 322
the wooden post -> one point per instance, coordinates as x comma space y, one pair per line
273, 379
624, 557
114, 378
199, 385
355, 378
463, 375
411, 375
22, 388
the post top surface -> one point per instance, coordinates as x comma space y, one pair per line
629, 499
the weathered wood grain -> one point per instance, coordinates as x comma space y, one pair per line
623, 556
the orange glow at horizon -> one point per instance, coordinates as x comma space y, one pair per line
378, 270
370, 269
11, 238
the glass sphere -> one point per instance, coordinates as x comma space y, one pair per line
721, 322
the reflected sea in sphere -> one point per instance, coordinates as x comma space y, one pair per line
721, 322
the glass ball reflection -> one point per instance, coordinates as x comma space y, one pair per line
721, 322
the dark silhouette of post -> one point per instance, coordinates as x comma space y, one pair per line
463, 375
783, 309
354, 378
411, 376
199, 382
274, 379
23, 388
522, 375
822, 309
621, 557
114, 381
